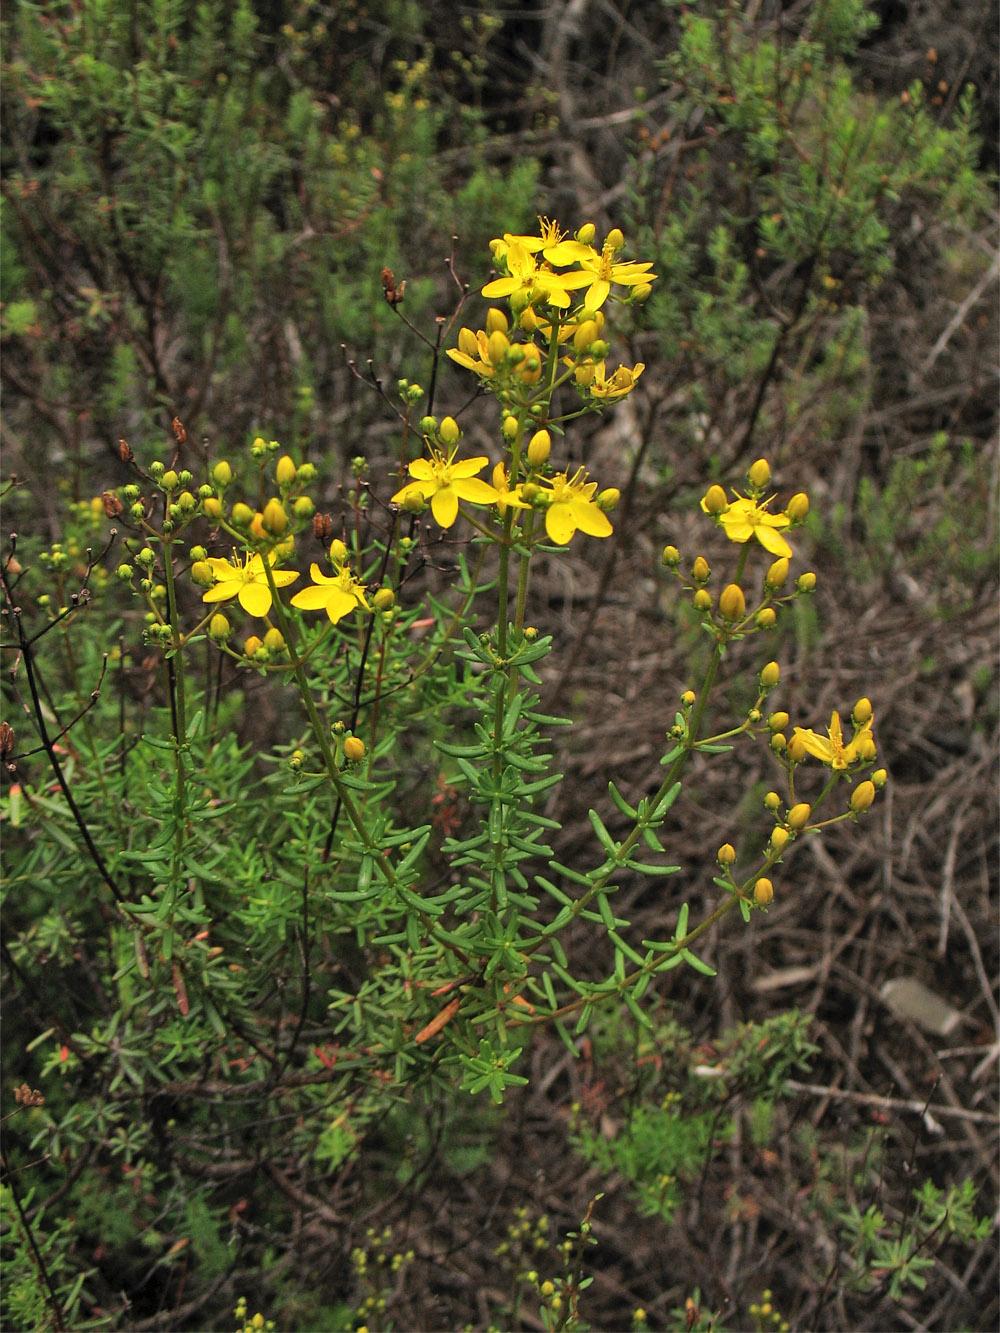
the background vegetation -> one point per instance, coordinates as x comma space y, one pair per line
198, 203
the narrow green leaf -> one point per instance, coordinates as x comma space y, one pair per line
697, 963
636, 1010
602, 833
621, 802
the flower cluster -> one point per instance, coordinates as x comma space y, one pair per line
555, 287
743, 606
747, 516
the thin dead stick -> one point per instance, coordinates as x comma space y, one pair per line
893, 1103
959, 316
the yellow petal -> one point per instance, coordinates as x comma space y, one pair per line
444, 506
559, 524
255, 599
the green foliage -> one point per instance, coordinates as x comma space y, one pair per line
923, 513
666, 1138
787, 188
895, 1255
223, 189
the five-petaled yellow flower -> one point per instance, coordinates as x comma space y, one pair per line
744, 518
620, 383
442, 482
572, 505
337, 595
247, 582
601, 269
535, 282
832, 750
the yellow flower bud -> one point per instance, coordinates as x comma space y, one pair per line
219, 627
222, 473
732, 603
608, 499
586, 334
726, 854
170, 481
201, 573
274, 518
614, 239
700, 570
274, 640
798, 507
702, 600
861, 712
799, 815
529, 368
688, 698
448, 430
715, 500
763, 892
497, 346
778, 742
641, 292
539, 447
778, 721
670, 556
806, 582
384, 599
779, 840
759, 473
242, 515
765, 618
866, 747
338, 551
586, 233
212, 509
468, 343
251, 645
797, 749
862, 796
508, 427
584, 376
285, 470
259, 448
772, 802
777, 574
354, 749
879, 778
303, 507
770, 675
496, 320
527, 320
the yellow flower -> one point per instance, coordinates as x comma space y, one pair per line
506, 497
601, 269
551, 235
533, 282
483, 354
832, 750
745, 518
442, 482
571, 506
620, 383
338, 595
247, 582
